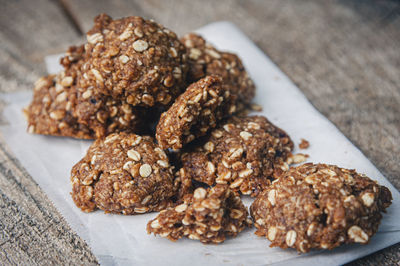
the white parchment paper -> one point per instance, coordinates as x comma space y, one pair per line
122, 240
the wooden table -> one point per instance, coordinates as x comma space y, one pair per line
344, 55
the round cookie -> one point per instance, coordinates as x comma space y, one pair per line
195, 111
134, 59
320, 206
244, 152
204, 59
123, 173
206, 215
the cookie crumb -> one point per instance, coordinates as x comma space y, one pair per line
304, 144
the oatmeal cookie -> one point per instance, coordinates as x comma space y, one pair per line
134, 59
59, 107
244, 152
204, 59
320, 206
195, 111
123, 173
54, 96
206, 215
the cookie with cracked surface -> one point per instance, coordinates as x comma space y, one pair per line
54, 96
320, 206
123, 173
206, 215
134, 59
244, 152
59, 107
204, 59
194, 113
105, 115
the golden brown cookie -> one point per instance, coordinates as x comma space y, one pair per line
244, 152
194, 113
320, 206
204, 59
123, 173
206, 215
133, 59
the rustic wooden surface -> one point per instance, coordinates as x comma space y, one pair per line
344, 55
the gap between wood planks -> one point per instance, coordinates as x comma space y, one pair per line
66, 10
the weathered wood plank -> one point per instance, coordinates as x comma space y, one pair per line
33, 232
85, 11
29, 31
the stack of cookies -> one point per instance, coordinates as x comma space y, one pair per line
172, 135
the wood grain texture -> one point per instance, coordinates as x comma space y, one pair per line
344, 55
27, 35
32, 231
